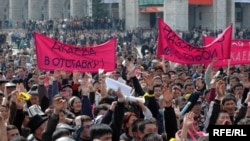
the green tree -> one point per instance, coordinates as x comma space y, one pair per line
100, 9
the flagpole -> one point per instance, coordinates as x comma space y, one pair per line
228, 66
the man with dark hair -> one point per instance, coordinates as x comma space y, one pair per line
233, 80
12, 132
83, 125
101, 132
152, 137
147, 126
238, 93
99, 111
19, 138
60, 133
135, 130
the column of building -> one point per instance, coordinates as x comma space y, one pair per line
16, 10
121, 9
89, 9
220, 14
4, 10
35, 8
131, 14
77, 8
231, 14
55, 8
176, 14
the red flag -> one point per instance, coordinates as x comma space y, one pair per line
177, 50
240, 52
52, 54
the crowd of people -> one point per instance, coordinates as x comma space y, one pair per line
168, 101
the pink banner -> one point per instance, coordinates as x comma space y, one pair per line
235, 42
177, 50
240, 52
52, 54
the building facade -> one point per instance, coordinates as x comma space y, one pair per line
16, 10
186, 14
179, 14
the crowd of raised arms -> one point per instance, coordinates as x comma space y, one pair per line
169, 101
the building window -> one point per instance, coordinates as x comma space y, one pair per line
238, 16
238, 12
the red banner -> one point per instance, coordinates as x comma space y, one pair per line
52, 54
235, 42
240, 52
177, 50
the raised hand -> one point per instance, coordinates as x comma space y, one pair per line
58, 104
148, 78
87, 75
41, 79
76, 76
21, 88
188, 119
63, 73
113, 105
86, 86
78, 120
119, 94
167, 95
177, 111
56, 74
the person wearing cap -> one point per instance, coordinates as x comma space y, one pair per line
42, 127
2, 84
10, 87
37, 125
66, 91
